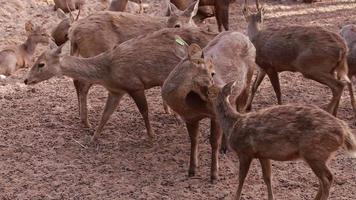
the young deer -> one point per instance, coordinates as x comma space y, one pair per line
317, 53
120, 70
348, 32
15, 57
88, 41
228, 52
282, 133
68, 5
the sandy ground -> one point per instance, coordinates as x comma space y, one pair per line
41, 152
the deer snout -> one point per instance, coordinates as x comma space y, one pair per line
26, 81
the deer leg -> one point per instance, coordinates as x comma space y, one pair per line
243, 98
324, 175
110, 106
245, 162
261, 74
82, 89
219, 17
273, 76
266, 171
193, 130
215, 140
352, 97
166, 108
335, 85
141, 102
225, 18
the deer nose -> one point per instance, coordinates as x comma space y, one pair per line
25, 81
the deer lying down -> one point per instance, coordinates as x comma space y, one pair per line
315, 52
348, 32
87, 40
282, 133
228, 52
15, 57
68, 5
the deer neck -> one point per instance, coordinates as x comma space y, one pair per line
91, 70
226, 115
252, 29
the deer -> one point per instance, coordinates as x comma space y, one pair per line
348, 32
120, 5
228, 53
281, 133
68, 5
120, 70
60, 32
317, 53
88, 41
13, 58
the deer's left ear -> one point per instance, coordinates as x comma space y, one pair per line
194, 51
29, 27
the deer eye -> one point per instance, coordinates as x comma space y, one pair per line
177, 26
40, 65
212, 74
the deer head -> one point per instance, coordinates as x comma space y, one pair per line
46, 66
36, 34
179, 19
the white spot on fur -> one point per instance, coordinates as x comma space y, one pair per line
2, 77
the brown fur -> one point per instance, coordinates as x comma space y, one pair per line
72, 4
315, 52
282, 133
227, 51
119, 70
120, 5
101, 31
348, 32
15, 57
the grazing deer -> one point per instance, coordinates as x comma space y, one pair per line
348, 32
68, 5
228, 52
87, 40
15, 57
120, 70
315, 52
282, 133
60, 32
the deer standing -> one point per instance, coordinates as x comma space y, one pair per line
14, 57
120, 70
230, 52
282, 133
348, 32
116, 27
317, 53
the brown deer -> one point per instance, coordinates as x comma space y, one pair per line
14, 57
120, 5
60, 32
317, 53
282, 133
231, 53
348, 32
87, 40
68, 5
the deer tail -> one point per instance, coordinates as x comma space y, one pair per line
342, 69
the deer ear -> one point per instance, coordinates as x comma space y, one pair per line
195, 52
192, 9
171, 9
61, 14
52, 45
227, 89
29, 27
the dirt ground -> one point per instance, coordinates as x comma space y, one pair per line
44, 151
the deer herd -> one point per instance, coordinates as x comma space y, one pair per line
129, 53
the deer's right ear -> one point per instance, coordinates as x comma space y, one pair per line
245, 12
61, 14
52, 45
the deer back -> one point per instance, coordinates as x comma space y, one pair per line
348, 32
